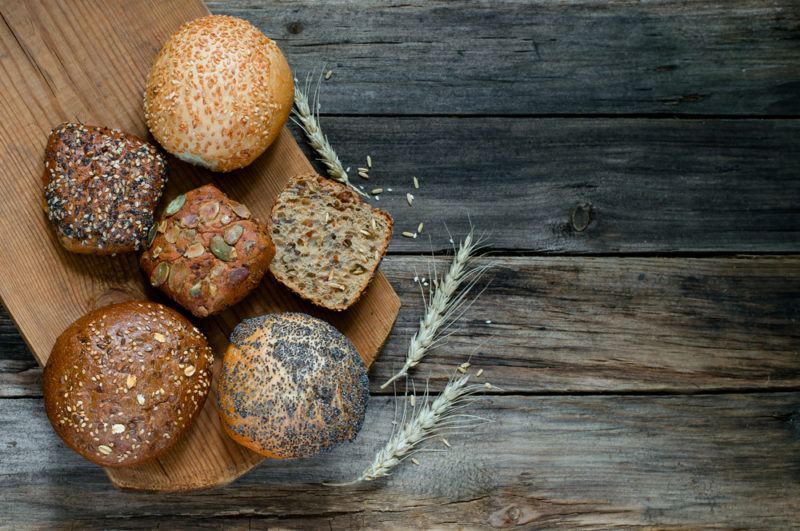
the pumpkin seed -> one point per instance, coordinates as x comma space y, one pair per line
241, 210
189, 235
172, 234
177, 274
195, 250
194, 291
159, 274
151, 234
222, 250
233, 234
208, 211
175, 205
189, 220
217, 270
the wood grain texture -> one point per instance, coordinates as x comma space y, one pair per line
574, 324
565, 461
76, 64
541, 56
588, 186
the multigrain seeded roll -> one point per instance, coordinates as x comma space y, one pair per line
218, 93
125, 381
101, 188
208, 252
291, 386
328, 241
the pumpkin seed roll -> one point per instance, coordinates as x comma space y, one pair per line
207, 252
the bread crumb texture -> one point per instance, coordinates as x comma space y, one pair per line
291, 386
125, 381
218, 93
101, 188
328, 241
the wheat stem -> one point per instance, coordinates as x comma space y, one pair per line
431, 418
445, 305
308, 121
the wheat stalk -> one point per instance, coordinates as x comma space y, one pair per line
445, 304
429, 420
308, 121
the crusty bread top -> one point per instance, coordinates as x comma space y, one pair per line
291, 386
125, 381
328, 242
218, 93
101, 188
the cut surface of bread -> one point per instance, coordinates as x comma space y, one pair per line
328, 242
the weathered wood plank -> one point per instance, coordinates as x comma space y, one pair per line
563, 324
717, 460
541, 56
584, 185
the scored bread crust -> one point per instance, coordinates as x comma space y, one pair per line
101, 188
218, 93
291, 386
124, 382
208, 254
328, 231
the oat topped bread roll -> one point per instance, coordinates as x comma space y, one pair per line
208, 252
218, 93
124, 382
101, 188
291, 386
328, 242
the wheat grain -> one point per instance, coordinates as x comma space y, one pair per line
446, 304
308, 121
430, 419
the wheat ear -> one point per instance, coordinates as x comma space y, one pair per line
445, 304
430, 419
308, 121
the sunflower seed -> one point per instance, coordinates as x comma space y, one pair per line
222, 250
189, 370
130, 381
369, 161
151, 234
241, 211
477, 374
161, 338
419, 228
365, 170
156, 252
194, 250
414, 460
172, 234
159, 275
376, 191
328, 74
175, 205
233, 234
410, 199
363, 175
162, 226
408, 234
103, 449
446, 442
140, 399
416, 182
217, 270
117, 428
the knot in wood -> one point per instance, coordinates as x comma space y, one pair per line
581, 216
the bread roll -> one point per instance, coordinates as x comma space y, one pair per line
291, 386
124, 382
328, 242
218, 93
101, 188
208, 251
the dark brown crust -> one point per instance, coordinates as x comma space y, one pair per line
342, 195
124, 382
207, 284
291, 386
101, 188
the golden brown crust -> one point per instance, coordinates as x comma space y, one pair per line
124, 382
101, 188
328, 241
291, 386
207, 252
218, 93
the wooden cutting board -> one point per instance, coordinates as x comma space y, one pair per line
88, 61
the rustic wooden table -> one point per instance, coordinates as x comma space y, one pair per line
637, 168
